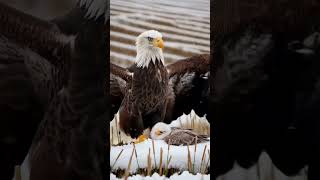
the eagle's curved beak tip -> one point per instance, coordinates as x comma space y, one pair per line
158, 42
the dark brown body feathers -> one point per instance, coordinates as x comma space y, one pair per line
159, 93
145, 102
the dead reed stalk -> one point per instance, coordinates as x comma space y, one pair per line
202, 159
160, 164
149, 163
194, 155
154, 155
136, 154
208, 159
169, 161
129, 165
117, 130
116, 159
189, 159
111, 135
167, 165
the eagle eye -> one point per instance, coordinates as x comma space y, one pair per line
149, 38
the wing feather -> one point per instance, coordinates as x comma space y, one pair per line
180, 136
16, 87
189, 81
118, 81
42, 37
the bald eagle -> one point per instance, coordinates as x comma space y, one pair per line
176, 135
149, 91
54, 72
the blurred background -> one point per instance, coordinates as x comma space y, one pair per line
44, 9
16, 128
184, 24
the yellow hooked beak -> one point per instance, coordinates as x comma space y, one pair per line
158, 42
158, 133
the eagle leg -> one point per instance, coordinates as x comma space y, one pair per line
140, 139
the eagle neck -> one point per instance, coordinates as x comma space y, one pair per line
147, 55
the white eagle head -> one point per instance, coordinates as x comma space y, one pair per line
160, 131
149, 46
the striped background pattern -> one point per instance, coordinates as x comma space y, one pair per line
184, 24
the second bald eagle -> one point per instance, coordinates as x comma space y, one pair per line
149, 91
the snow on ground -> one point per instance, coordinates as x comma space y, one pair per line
183, 176
185, 25
179, 153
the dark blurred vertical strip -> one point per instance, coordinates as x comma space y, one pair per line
107, 150
209, 115
286, 20
17, 126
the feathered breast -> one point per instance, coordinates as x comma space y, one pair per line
149, 85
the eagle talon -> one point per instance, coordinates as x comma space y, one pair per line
140, 139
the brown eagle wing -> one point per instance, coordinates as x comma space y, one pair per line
74, 124
80, 106
42, 37
119, 77
189, 81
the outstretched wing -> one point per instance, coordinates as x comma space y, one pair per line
42, 37
15, 87
28, 49
74, 123
22, 99
189, 81
118, 80
33, 52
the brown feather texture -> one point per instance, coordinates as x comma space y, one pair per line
157, 92
42, 37
54, 73
176, 135
260, 54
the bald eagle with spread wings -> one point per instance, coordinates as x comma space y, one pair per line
149, 91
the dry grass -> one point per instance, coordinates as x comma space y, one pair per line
203, 157
136, 154
207, 165
163, 170
117, 137
194, 122
129, 164
160, 164
117, 159
154, 154
189, 160
194, 155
